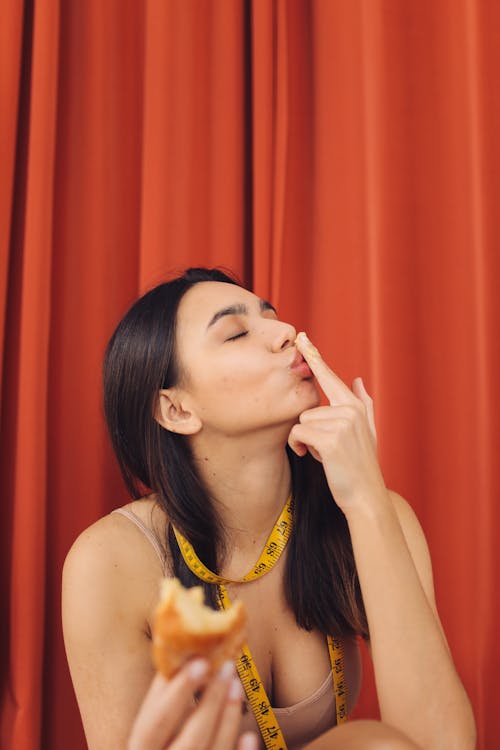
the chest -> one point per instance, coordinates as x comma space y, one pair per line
292, 662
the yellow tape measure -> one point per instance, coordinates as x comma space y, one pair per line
256, 693
270, 555
257, 696
247, 669
336, 651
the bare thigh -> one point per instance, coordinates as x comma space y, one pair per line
363, 735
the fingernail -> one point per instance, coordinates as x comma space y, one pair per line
235, 692
198, 669
248, 742
226, 671
312, 352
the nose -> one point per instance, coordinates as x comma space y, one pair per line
284, 337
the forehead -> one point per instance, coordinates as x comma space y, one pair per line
204, 299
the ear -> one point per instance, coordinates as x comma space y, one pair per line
174, 414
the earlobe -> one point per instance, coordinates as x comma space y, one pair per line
174, 415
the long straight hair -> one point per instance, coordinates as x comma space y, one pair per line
320, 581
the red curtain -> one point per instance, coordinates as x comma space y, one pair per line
342, 156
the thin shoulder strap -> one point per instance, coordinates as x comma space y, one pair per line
146, 531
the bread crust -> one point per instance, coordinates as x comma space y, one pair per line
184, 627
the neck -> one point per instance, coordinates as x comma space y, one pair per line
249, 480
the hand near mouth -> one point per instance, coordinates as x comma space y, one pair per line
300, 365
342, 435
336, 391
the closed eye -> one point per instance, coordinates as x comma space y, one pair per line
238, 336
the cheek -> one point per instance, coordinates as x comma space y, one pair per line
242, 383
245, 375
236, 392
243, 387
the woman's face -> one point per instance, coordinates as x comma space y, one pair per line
241, 370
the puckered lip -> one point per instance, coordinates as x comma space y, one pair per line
297, 360
300, 367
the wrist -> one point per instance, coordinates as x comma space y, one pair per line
369, 507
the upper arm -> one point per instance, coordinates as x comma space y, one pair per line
418, 548
419, 551
105, 600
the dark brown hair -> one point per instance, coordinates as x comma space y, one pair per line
321, 583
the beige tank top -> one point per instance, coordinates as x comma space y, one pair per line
304, 721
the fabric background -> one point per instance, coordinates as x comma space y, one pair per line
342, 156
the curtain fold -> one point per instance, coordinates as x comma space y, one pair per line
343, 159
270, 139
193, 164
26, 362
11, 42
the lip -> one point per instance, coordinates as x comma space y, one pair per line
300, 367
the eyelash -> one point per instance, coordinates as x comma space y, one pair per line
238, 336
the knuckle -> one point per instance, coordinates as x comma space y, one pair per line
358, 411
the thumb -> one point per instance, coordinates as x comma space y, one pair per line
359, 390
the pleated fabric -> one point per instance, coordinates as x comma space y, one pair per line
342, 157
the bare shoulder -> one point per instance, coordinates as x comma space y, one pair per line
114, 557
110, 589
109, 538
102, 543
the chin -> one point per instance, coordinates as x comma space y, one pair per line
311, 393
307, 397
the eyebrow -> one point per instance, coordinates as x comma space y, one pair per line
239, 310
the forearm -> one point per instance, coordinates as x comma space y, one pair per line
418, 688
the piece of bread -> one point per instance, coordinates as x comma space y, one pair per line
183, 627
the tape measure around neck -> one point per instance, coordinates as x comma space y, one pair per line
257, 696
270, 555
247, 669
256, 692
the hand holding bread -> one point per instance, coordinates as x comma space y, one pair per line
184, 628
193, 648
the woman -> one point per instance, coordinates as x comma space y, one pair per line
212, 407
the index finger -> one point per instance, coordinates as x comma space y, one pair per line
166, 705
336, 391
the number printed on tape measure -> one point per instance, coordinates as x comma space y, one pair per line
273, 548
247, 670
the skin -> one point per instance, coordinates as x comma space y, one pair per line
166, 716
240, 402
